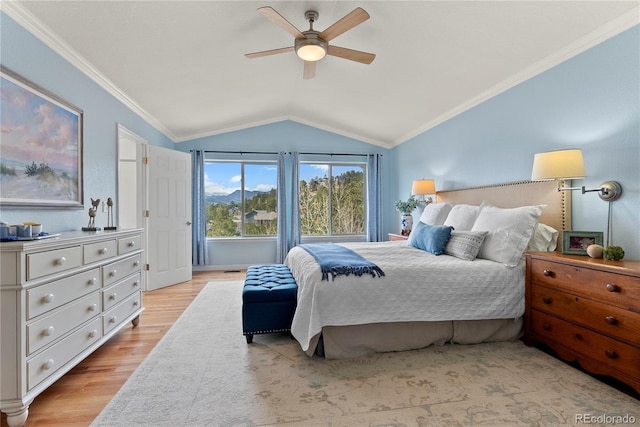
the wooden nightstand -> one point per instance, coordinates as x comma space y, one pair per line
393, 236
587, 310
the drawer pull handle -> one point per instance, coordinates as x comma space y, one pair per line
61, 260
135, 303
113, 296
132, 243
48, 298
93, 333
113, 273
49, 331
48, 364
611, 287
547, 273
611, 320
92, 281
611, 353
546, 327
93, 307
114, 319
546, 300
103, 251
136, 263
136, 284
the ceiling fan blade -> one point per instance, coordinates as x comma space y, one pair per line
355, 17
280, 21
309, 69
268, 52
350, 54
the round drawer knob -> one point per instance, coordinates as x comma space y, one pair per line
132, 243
612, 287
114, 319
103, 251
113, 296
93, 334
136, 284
546, 300
48, 364
136, 263
92, 281
547, 273
611, 353
113, 273
135, 303
611, 320
546, 327
48, 298
49, 331
61, 260
93, 307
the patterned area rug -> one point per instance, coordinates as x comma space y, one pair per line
203, 373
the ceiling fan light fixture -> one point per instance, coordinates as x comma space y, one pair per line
311, 49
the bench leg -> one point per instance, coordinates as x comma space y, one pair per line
249, 338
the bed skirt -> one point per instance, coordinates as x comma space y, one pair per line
342, 342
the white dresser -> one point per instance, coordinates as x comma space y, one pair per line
60, 299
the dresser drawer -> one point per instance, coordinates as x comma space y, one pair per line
610, 352
608, 287
99, 251
119, 313
49, 262
115, 271
45, 364
44, 298
609, 320
129, 244
116, 293
48, 329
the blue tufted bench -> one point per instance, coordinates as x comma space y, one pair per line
269, 300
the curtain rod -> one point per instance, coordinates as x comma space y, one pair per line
271, 152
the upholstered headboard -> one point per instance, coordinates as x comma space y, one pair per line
556, 214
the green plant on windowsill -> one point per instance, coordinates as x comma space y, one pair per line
407, 206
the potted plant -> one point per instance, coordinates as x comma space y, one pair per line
405, 208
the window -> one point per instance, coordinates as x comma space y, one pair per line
332, 199
241, 198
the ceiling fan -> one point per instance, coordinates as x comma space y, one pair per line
311, 45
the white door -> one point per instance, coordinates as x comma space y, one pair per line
169, 217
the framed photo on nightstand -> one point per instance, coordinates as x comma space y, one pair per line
577, 242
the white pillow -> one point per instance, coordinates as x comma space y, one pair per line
462, 217
509, 232
545, 239
435, 213
465, 244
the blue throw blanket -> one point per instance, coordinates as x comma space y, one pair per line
336, 259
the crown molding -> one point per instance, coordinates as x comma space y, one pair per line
49, 38
595, 37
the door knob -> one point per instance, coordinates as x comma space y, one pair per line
188, 222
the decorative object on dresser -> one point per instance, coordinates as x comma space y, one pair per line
61, 299
405, 208
91, 226
110, 225
29, 181
586, 309
577, 242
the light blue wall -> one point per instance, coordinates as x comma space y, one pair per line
282, 136
26, 55
591, 101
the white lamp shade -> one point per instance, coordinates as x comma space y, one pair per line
558, 165
422, 187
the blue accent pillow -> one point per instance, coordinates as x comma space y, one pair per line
430, 238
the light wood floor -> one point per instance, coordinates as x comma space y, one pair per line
79, 396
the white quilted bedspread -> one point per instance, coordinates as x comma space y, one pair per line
417, 286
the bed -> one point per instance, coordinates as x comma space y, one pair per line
423, 298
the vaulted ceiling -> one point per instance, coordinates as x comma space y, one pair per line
181, 64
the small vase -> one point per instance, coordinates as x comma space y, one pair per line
406, 223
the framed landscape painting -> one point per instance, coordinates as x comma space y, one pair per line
41, 163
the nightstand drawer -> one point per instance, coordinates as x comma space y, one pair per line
606, 319
610, 352
607, 287
99, 251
